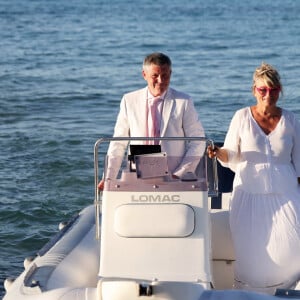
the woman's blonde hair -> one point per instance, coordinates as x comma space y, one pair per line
268, 74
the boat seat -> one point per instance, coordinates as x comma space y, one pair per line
223, 256
222, 245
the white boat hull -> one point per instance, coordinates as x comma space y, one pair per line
76, 276
67, 270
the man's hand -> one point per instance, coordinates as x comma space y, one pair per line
101, 185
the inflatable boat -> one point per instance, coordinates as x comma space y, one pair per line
146, 236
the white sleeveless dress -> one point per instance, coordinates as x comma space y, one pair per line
265, 204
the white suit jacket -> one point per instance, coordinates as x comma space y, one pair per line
179, 119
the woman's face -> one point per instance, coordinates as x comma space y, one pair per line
265, 95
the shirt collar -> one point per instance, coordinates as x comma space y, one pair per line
150, 96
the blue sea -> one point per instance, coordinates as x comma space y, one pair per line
65, 64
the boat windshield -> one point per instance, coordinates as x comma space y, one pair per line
135, 163
131, 164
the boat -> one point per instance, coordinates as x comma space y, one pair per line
146, 236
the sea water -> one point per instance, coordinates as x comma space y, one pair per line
65, 64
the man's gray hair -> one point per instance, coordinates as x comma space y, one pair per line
157, 58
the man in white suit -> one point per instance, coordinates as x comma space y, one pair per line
176, 116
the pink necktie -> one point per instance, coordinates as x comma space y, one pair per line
154, 124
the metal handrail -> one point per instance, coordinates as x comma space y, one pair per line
98, 193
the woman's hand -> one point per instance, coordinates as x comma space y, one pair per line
212, 152
219, 153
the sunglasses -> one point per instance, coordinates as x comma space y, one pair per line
264, 90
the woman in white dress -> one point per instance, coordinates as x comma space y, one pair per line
262, 147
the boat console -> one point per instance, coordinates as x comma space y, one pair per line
155, 230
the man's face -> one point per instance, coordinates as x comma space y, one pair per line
158, 78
